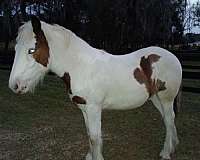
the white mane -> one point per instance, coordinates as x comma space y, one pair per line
25, 33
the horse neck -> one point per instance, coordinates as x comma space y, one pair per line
69, 54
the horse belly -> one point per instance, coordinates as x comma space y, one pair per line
123, 99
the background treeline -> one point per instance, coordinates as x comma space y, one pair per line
117, 26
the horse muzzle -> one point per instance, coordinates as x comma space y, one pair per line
18, 87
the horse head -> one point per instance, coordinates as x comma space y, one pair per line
31, 61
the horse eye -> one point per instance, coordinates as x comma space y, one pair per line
31, 50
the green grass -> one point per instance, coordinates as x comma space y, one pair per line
47, 126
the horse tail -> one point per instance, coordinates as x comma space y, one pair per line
178, 101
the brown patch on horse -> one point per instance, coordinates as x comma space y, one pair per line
144, 73
78, 100
160, 85
41, 55
67, 80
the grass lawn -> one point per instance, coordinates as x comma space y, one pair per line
47, 126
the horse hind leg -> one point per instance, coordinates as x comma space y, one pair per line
166, 109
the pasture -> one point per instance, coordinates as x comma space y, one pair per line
47, 126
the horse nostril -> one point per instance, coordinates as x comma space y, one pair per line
24, 87
16, 87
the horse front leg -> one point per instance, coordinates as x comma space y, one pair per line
92, 116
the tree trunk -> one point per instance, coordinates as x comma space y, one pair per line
23, 10
6, 24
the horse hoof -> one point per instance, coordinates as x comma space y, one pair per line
164, 156
88, 157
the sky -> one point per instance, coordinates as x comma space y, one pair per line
193, 1
194, 29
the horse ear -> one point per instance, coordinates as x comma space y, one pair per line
36, 24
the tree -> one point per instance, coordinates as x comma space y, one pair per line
196, 13
117, 26
7, 23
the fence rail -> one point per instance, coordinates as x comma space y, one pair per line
194, 57
191, 68
191, 75
190, 63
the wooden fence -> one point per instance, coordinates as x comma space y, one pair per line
191, 69
189, 60
6, 60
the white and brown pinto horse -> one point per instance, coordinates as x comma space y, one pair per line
96, 80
